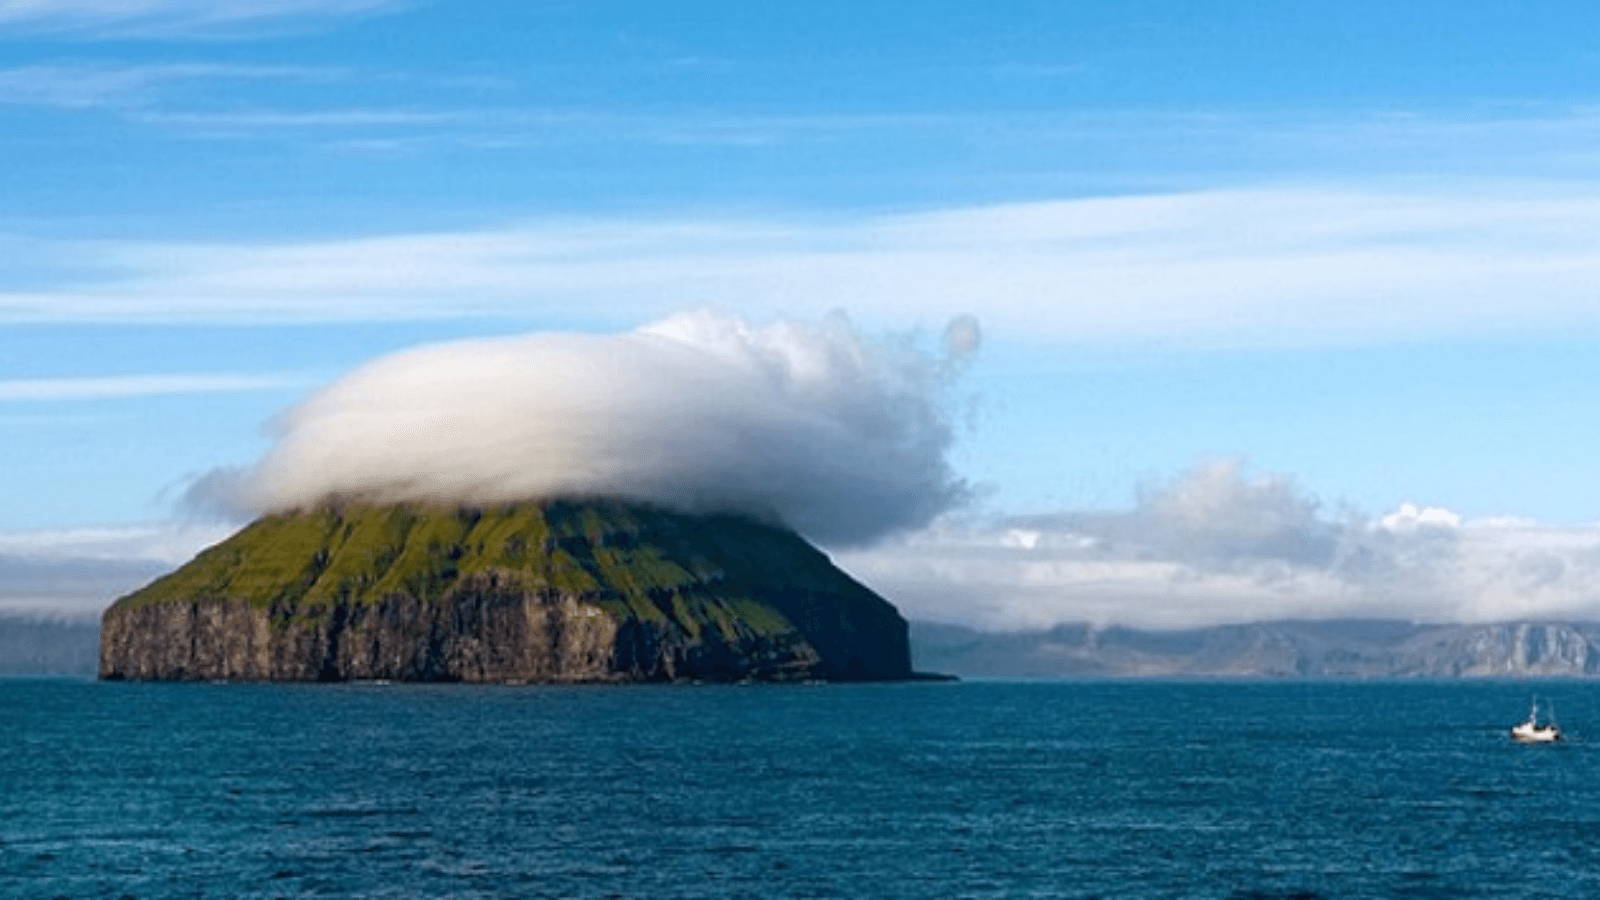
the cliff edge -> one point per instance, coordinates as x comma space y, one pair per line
548, 592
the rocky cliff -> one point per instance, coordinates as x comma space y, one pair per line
559, 591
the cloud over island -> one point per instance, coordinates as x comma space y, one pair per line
812, 424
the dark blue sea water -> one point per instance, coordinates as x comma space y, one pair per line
978, 789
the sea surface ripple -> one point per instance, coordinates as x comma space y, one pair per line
977, 789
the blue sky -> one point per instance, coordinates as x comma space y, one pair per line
1346, 250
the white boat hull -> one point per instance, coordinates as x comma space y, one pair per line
1532, 734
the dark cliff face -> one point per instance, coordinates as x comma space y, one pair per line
559, 591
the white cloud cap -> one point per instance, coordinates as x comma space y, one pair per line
842, 438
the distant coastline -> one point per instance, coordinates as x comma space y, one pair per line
1349, 648
32, 645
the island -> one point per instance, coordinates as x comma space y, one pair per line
554, 591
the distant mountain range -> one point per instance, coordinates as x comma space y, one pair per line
1343, 649
1338, 649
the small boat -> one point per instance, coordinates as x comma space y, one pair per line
1531, 732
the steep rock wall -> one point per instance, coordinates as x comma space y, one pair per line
559, 592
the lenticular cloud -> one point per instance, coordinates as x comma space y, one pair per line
839, 437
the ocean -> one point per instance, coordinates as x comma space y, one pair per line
1277, 789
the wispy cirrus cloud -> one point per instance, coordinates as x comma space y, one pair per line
88, 85
250, 121
124, 386
164, 543
470, 124
1272, 266
175, 18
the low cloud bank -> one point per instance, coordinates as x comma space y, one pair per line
1221, 544
811, 424
75, 574
71, 589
